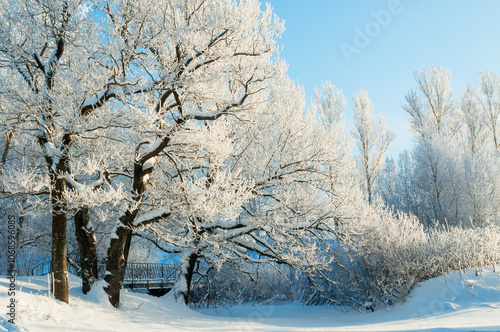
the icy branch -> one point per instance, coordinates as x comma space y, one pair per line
99, 99
151, 217
84, 187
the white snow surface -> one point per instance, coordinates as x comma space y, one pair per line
455, 302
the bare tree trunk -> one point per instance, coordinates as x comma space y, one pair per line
118, 250
88, 248
182, 284
126, 251
115, 263
59, 215
19, 229
6, 150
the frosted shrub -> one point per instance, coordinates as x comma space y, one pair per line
248, 283
395, 252
382, 257
458, 248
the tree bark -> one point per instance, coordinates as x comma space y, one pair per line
87, 245
118, 250
59, 221
8, 144
6, 149
126, 251
115, 263
182, 284
59, 215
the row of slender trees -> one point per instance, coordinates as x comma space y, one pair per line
452, 174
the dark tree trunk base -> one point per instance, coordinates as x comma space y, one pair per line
88, 249
182, 285
59, 268
115, 266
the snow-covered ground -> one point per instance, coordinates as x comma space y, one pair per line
457, 302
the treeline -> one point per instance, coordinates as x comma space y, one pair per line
452, 175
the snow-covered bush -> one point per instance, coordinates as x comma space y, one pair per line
380, 258
247, 283
394, 252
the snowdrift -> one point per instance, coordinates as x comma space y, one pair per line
459, 301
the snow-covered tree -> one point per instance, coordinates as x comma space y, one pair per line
480, 176
430, 108
329, 103
372, 140
205, 61
56, 72
489, 85
265, 187
454, 177
103, 89
473, 121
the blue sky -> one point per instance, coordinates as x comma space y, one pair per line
463, 36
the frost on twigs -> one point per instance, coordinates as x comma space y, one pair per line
90, 196
23, 180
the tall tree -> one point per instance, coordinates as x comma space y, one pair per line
480, 176
207, 60
429, 109
57, 70
473, 120
489, 85
33, 39
265, 187
373, 141
453, 178
328, 103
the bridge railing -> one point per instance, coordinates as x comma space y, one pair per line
150, 271
41, 269
45, 267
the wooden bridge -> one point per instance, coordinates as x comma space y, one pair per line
156, 278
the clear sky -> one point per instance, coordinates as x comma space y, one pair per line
322, 42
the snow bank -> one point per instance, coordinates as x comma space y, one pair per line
455, 302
